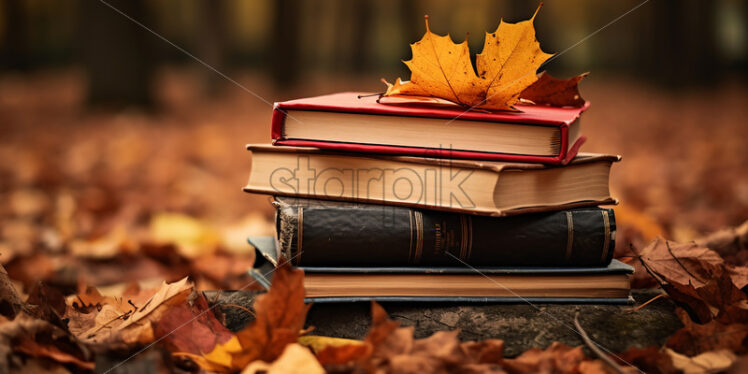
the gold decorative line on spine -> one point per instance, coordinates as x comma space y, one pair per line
300, 230
418, 217
463, 236
410, 246
470, 238
569, 234
606, 240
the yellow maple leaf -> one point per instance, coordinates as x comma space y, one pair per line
506, 66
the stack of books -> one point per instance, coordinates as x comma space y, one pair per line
415, 202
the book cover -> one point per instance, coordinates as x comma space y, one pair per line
332, 234
466, 186
267, 259
352, 102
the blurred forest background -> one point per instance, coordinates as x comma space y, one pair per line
105, 127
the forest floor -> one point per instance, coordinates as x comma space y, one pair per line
104, 198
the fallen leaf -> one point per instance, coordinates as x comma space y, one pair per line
120, 323
10, 303
294, 359
708, 362
727, 242
390, 348
695, 338
506, 66
548, 90
105, 247
556, 358
34, 337
649, 359
226, 271
279, 317
191, 327
192, 237
681, 263
319, 343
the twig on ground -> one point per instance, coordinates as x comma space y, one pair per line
593, 346
640, 307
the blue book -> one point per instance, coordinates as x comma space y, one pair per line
459, 283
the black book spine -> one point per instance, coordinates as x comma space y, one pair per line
324, 233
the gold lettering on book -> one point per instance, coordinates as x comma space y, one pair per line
418, 218
606, 240
300, 229
569, 234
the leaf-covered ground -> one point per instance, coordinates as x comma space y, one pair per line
102, 207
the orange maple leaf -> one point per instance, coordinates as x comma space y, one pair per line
440, 68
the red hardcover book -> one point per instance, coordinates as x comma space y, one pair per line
350, 121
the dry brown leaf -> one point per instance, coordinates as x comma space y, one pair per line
506, 66
279, 317
548, 90
708, 362
557, 358
34, 337
105, 247
649, 359
390, 348
191, 327
226, 271
122, 323
10, 303
695, 338
698, 280
681, 263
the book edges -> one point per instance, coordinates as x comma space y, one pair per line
495, 165
562, 159
490, 213
460, 299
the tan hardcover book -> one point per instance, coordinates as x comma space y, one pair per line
478, 187
476, 285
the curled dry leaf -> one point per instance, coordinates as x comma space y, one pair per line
694, 339
120, 322
708, 362
548, 90
279, 317
698, 280
506, 66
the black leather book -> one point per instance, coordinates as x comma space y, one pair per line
328, 234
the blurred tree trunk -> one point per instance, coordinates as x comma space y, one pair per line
285, 48
682, 49
116, 53
411, 26
15, 54
361, 40
211, 39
